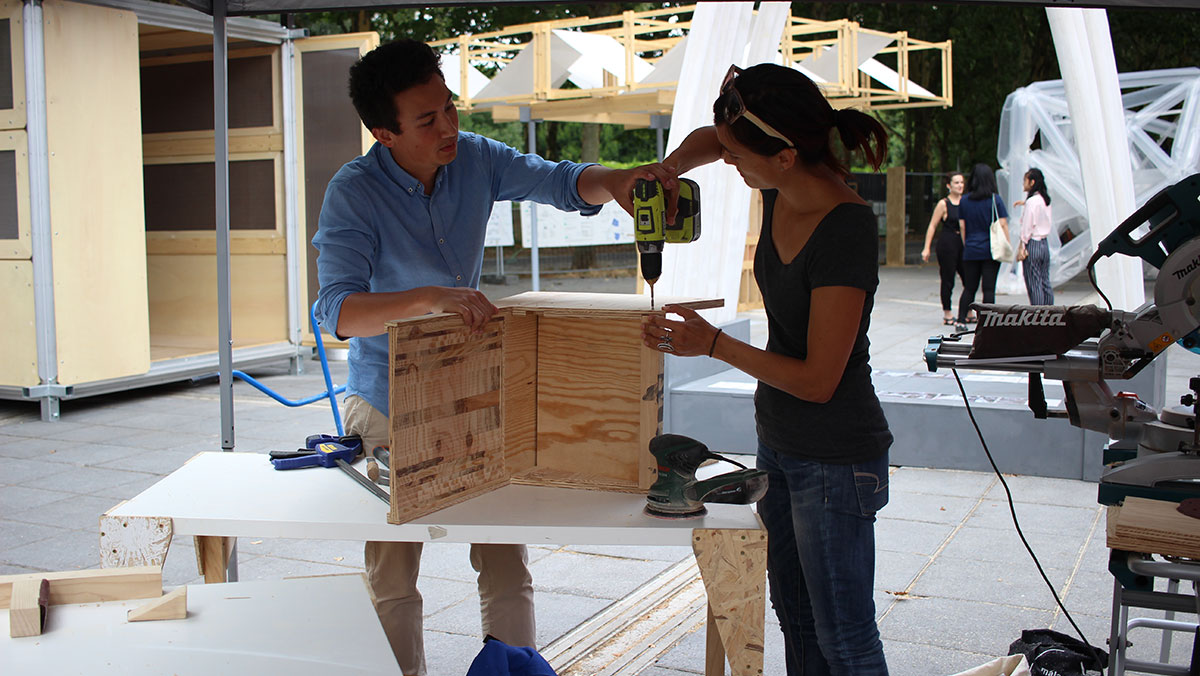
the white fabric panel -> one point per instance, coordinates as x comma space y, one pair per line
1089, 71
890, 78
667, 68
451, 68
516, 78
711, 267
599, 53
824, 62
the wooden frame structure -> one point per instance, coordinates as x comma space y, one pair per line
649, 35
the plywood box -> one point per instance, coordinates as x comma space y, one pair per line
557, 389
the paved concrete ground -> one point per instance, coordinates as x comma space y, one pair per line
953, 585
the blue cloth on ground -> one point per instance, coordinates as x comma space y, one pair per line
500, 659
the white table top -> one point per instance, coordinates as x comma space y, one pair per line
317, 626
242, 495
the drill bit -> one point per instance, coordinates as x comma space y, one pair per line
651, 295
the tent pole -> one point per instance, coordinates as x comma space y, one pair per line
533, 224
221, 162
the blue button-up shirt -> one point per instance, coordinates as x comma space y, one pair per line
379, 232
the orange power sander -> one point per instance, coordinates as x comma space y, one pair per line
678, 494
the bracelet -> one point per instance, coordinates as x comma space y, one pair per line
714, 343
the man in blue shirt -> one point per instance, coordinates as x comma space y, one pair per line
401, 234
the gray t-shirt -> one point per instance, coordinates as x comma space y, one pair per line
843, 250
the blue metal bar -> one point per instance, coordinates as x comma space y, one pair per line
329, 391
280, 398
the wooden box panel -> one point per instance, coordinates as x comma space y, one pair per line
589, 401
447, 425
18, 341
557, 391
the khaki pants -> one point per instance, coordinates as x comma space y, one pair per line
505, 586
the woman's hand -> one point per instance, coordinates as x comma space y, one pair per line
1019, 203
925, 254
691, 337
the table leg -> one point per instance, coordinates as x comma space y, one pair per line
212, 556
733, 565
134, 541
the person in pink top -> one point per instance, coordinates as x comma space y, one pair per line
1035, 228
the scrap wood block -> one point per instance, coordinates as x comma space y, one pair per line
27, 609
172, 606
557, 390
1155, 527
88, 586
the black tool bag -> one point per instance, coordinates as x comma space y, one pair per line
1053, 654
1028, 330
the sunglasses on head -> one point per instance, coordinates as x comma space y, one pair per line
735, 108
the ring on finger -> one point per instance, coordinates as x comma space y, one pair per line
666, 346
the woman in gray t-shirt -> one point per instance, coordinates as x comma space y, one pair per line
823, 438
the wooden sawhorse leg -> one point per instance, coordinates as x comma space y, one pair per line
134, 541
212, 556
733, 565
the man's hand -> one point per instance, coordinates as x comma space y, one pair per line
470, 304
598, 185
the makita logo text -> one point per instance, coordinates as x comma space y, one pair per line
1187, 270
1031, 317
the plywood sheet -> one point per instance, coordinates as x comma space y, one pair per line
733, 565
95, 172
14, 196
183, 301
590, 397
18, 339
520, 391
1154, 527
598, 304
447, 422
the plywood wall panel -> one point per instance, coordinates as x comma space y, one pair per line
95, 166
18, 341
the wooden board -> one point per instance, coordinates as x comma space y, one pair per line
93, 120
520, 391
27, 608
87, 586
598, 304
1154, 527
172, 606
733, 564
18, 339
14, 196
447, 422
590, 399
183, 300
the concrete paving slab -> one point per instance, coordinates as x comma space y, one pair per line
450, 653
566, 572
895, 571
912, 537
158, 462
19, 471
14, 533
77, 512
274, 568
1003, 545
945, 509
338, 552
558, 614
89, 480
1014, 584
19, 498
12, 446
439, 595
954, 624
1036, 518
915, 659
68, 550
939, 482
1046, 491
671, 554
78, 453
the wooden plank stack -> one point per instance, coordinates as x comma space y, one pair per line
1153, 527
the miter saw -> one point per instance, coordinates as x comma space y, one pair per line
1150, 454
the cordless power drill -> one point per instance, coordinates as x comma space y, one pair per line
650, 227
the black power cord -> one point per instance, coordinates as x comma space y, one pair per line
1013, 511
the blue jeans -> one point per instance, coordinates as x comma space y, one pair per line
820, 521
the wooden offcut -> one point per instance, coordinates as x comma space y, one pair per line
556, 390
90, 586
172, 606
27, 609
733, 565
1154, 527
